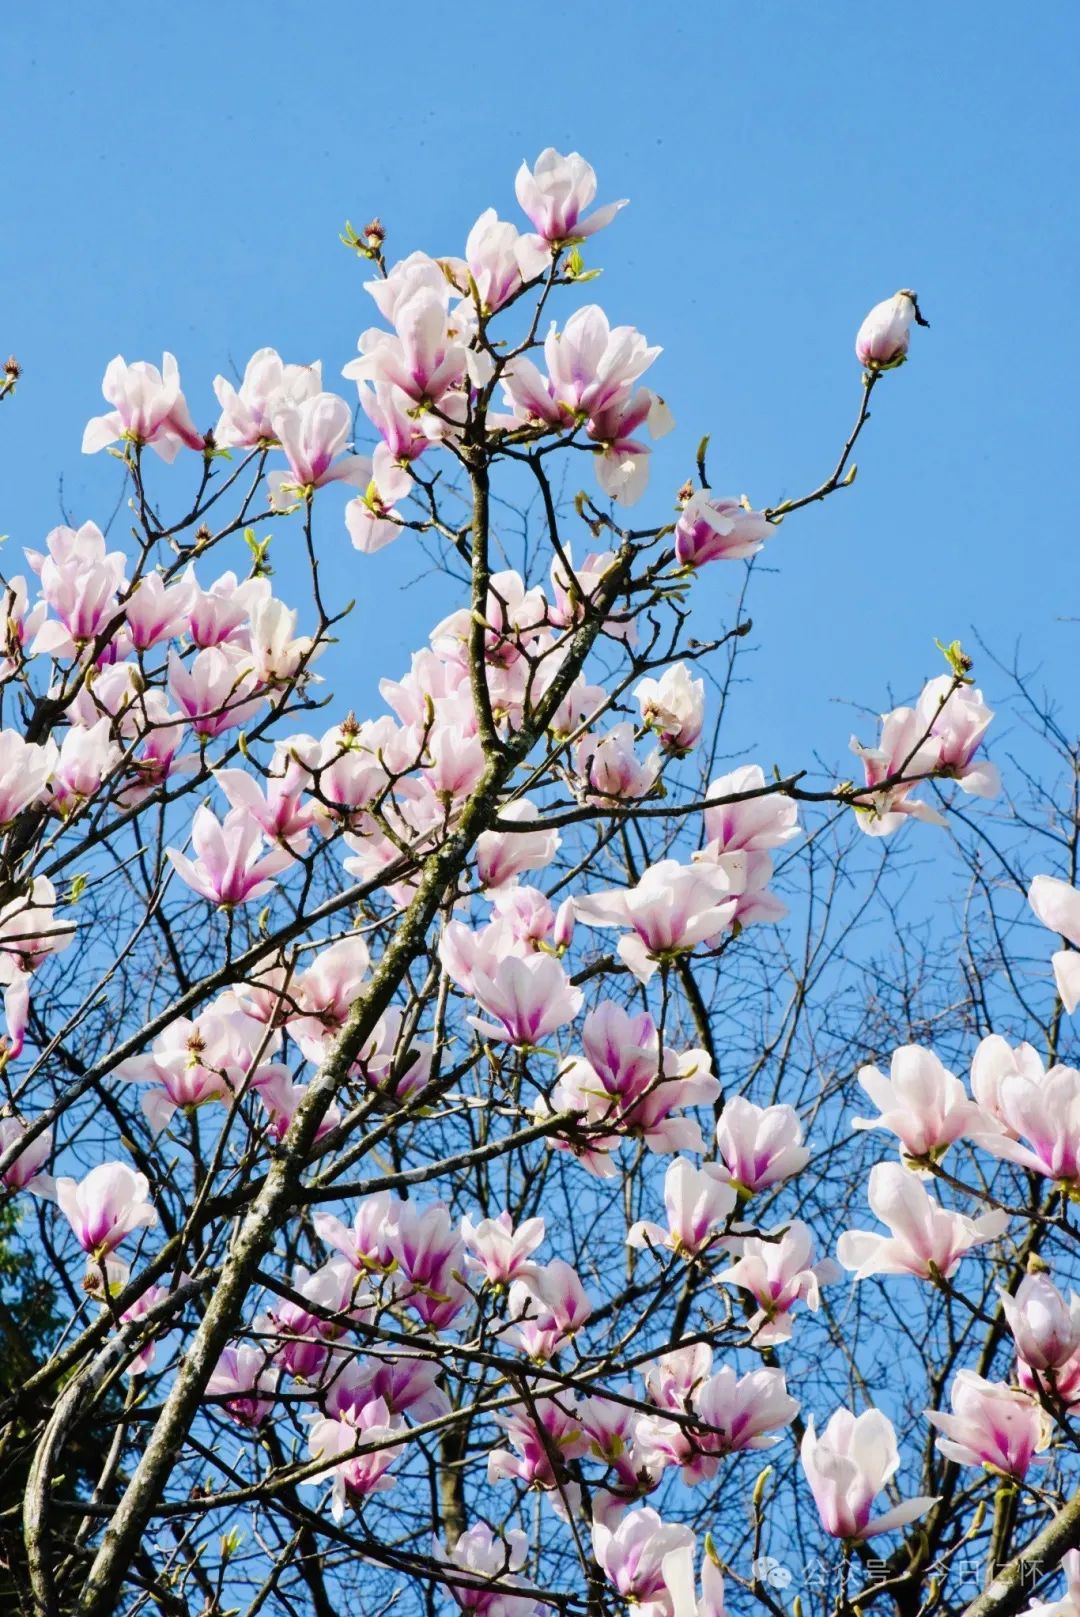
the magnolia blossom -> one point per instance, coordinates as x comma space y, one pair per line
699, 1202
921, 1103
672, 908
848, 1466
673, 706
231, 866
554, 194
500, 1252
543, 1438
148, 408
759, 1145
957, 719
247, 412
430, 1259
1045, 1328
629, 1085
633, 1555
712, 529
106, 1207
499, 261
25, 768
546, 1307
1041, 1124
314, 432
1057, 905
678, 1571
359, 1452
732, 1414
484, 1557
991, 1424
905, 754
610, 767
245, 1383
156, 611
926, 1239
778, 1274
754, 825
502, 855
24, 1170
530, 998
882, 340
993, 1062
1069, 1604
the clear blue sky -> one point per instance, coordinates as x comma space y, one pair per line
177, 177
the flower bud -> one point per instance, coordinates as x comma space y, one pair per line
1045, 1327
882, 340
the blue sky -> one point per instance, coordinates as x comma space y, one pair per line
178, 179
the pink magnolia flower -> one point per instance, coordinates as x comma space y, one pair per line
245, 1381
993, 1062
753, 826
214, 692
217, 616
500, 1252
554, 194
549, 1424
83, 764
21, 622
230, 866
360, 1452
247, 412
759, 1145
148, 408
490, 1565
673, 706
80, 581
698, 1201
611, 1426
1045, 1328
633, 1555
502, 855
629, 1085
106, 1206
591, 362
422, 358
25, 768
925, 1239
882, 340
24, 1170
732, 1414
156, 611
621, 461
678, 1571
1069, 1604
367, 1245
1057, 905
530, 998
314, 432
921, 1103
276, 651
30, 932
673, 908
307, 1333
778, 1274
718, 529
278, 807
192, 1062
546, 1308
957, 719
407, 1384
323, 993
991, 1424
282, 1095
431, 1260
906, 751
1041, 1124
848, 1466
499, 261
609, 766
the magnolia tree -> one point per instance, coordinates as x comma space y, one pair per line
446, 1166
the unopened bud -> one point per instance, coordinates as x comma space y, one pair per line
883, 337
